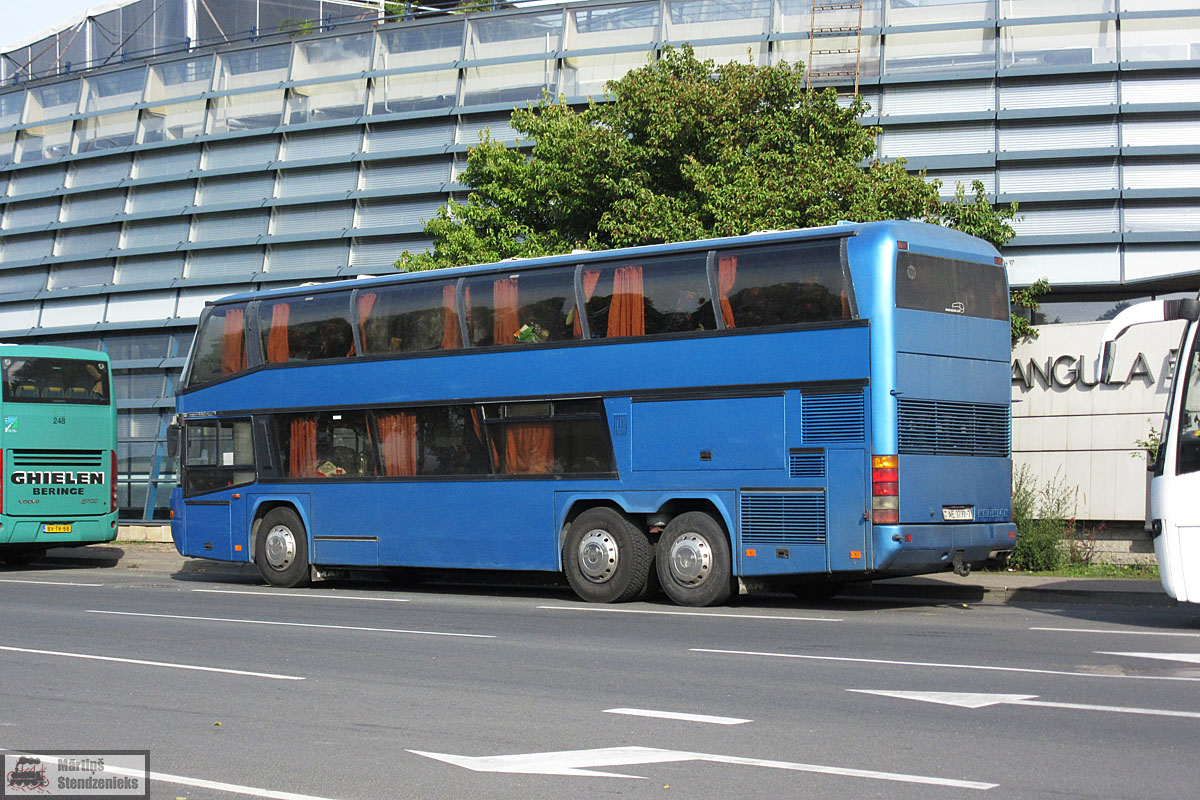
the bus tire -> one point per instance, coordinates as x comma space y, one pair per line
281, 549
694, 563
606, 558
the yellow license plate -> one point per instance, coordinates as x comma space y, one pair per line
58, 529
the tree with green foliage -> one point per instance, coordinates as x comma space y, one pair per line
685, 149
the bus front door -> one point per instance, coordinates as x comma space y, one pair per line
1175, 485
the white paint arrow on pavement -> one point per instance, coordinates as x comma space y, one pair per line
975, 700
580, 762
1187, 658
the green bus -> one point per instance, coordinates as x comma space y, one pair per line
58, 450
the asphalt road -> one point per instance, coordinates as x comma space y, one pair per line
364, 690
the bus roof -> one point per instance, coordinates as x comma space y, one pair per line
934, 235
18, 350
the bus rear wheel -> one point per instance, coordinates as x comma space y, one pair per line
606, 558
694, 564
281, 549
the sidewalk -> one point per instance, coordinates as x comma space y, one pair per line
993, 588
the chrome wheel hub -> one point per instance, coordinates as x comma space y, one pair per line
280, 547
598, 556
690, 559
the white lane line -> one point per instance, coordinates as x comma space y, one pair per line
677, 715
143, 663
48, 583
308, 594
292, 624
976, 700
233, 788
1187, 658
984, 667
687, 613
199, 783
1123, 633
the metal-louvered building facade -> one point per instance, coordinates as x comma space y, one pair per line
160, 153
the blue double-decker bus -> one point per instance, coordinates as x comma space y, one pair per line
805, 407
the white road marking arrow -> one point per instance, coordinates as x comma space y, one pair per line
579, 762
974, 700
1187, 658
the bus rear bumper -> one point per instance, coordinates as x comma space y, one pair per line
931, 548
85, 531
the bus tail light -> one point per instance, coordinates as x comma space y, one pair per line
2, 476
885, 490
112, 489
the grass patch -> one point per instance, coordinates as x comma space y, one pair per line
1141, 571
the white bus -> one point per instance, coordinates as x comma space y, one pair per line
1174, 510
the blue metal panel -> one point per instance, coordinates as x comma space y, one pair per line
929, 482
724, 434
443, 523
599, 368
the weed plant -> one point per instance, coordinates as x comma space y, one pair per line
1045, 516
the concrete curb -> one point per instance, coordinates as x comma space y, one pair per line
991, 588
1136, 593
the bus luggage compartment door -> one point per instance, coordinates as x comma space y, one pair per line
210, 522
849, 493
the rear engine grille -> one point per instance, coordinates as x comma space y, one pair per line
829, 417
946, 428
807, 466
60, 459
793, 518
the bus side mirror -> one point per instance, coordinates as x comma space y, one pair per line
1140, 314
1187, 309
174, 434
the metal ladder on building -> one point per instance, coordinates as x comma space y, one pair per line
832, 20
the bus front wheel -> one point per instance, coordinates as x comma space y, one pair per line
694, 560
281, 549
606, 557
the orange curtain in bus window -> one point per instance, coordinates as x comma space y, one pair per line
529, 448
726, 275
505, 323
451, 335
366, 302
302, 448
233, 346
627, 314
398, 443
278, 351
591, 278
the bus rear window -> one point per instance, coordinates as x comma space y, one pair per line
55, 380
951, 286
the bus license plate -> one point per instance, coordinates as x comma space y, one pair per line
958, 513
58, 529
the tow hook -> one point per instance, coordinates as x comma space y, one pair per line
961, 568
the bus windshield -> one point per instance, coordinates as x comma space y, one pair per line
55, 380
